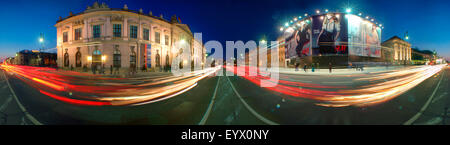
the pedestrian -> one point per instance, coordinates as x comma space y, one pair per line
304, 67
71, 67
318, 67
111, 70
330, 66
116, 70
312, 67
94, 68
296, 66
85, 68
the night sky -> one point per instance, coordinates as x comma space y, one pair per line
427, 21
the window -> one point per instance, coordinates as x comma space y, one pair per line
132, 57
146, 34
78, 58
66, 59
133, 32
117, 30
78, 34
65, 37
96, 56
158, 59
97, 31
166, 39
116, 56
157, 37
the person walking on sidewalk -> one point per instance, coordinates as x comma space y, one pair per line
304, 67
330, 66
296, 66
312, 67
318, 67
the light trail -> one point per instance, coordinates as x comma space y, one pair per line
376, 92
86, 89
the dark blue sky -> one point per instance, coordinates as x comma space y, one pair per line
427, 21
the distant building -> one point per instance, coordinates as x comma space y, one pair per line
123, 38
421, 56
396, 50
35, 58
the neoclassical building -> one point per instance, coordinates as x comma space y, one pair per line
122, 38
396, 50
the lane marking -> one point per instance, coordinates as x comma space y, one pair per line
263, 119
31, 118
415, 117
6, 103
208, 111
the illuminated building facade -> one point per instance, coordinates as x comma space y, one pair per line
397, 50
122, 38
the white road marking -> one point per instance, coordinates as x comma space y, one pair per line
415, 117
208, 111
263, 119
5, 104
440, 97
31, 118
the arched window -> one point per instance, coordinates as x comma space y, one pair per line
66, 58
117, 57
132, 57
78, 58
167, 59
158, 59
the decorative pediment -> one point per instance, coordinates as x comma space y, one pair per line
79, 22
116, 18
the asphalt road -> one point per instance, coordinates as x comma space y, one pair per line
232, 100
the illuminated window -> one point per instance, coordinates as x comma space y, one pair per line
65, 37
97, 31
157, 37
78, 58
166, 39
117, 30
117, 56
78, 34
146, 34
133, 31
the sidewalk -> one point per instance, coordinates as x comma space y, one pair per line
342, 71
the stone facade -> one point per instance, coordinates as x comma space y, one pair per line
120, 37
396, 50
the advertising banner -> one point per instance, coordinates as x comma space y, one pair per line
299, 43
364, 37
148, 49
329, 34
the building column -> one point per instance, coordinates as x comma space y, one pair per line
125, 29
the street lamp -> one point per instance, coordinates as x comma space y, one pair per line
348, 10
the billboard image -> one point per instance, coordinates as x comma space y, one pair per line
299, 43
364, 37
329, 34
333, 34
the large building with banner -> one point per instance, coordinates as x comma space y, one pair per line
123, 38
337, 38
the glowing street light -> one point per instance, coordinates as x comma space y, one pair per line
41, 40
348, 10
360, 14
318, 11
326, 10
